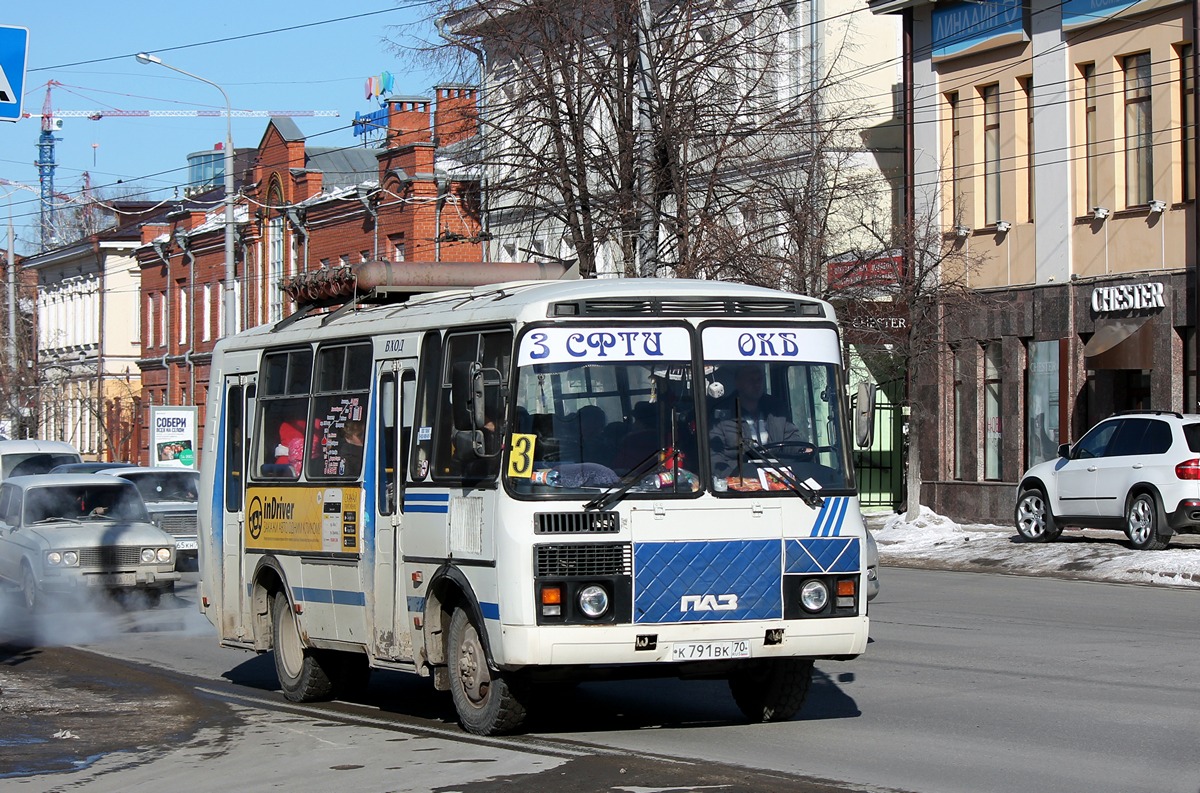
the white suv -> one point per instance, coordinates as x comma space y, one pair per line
1138, 472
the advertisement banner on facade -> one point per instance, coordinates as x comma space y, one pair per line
173, 435
968, 27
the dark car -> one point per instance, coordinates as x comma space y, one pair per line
171, 496
86, 468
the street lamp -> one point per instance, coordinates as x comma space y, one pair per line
228, 295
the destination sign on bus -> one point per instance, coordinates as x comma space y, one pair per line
771, 344
606, 344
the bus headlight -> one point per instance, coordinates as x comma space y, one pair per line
814, 596
164, 555
593, 601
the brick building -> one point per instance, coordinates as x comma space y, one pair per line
302, 208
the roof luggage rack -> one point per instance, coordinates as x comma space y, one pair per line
374, 282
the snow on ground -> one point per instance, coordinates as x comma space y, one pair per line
935, 541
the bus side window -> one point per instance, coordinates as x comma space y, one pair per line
427, 395
386, 464
234, 453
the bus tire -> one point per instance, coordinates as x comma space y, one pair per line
772, 689
487, 703
301, 675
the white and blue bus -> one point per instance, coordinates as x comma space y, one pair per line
512, 486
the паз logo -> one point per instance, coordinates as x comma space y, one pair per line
709, 602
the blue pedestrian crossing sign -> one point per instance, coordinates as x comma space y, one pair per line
14, 43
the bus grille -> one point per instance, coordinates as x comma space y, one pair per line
650, 306
576, 522
583, 560
179, 523
110, 556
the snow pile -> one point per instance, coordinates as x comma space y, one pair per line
935, 541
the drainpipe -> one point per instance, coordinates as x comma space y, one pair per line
100, 346
364, 197
185, 244
1195, 200
443, 190
296, 217
160, 249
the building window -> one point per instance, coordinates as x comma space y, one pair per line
183, 316
274, 269
991, 411
149, 321
1027, 89
1191, 398
1188, 114
1089, 127
957, 161
206, 314
963, 436
397, 243
324, 264
991, 154
1041, 401
163, 320
344, 260
364, 256
1139, 150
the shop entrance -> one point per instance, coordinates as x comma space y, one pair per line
1116, 390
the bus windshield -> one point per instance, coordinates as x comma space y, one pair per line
774, 422
605, 419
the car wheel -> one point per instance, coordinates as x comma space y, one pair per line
301, 675
1141, 523
487, 703
1035, 521
30, 592
772, 689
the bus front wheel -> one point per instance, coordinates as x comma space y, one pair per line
301, 675
771, 689
486, 702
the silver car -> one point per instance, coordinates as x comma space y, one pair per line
74, 534
171, 496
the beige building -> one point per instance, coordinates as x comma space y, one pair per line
1052, 142
88, 343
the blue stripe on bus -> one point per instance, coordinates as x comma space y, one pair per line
438, 503
490, 611
416, 605
831, 517
338, 597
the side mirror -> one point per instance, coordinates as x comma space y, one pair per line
466, 395
1064, 451
864, 414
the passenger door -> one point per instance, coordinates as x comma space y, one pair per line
1134, 455
1076, 476
395, 406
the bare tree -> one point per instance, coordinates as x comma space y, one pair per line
690, 139
932, 292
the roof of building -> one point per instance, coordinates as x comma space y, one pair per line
342, 167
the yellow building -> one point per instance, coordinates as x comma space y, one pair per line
1052, 143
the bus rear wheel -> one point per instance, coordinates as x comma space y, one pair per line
487, 703
301, 675
772, 689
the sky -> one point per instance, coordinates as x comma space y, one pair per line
90, 49
937, 542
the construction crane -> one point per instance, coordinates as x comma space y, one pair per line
52, 122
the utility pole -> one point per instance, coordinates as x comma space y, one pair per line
647, 247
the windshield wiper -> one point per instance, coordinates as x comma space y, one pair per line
789, 479
622, 487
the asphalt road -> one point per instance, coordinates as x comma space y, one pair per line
973, 682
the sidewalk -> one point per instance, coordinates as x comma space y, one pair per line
936, 542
